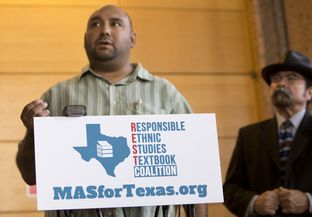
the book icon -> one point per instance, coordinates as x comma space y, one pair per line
104, 149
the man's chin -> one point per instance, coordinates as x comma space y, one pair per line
281, 104
104, 58
282, 107
104, 55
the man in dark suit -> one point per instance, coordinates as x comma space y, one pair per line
270, 173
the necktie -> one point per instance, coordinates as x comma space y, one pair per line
285, 138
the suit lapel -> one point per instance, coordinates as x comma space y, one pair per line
302, 138
270, 140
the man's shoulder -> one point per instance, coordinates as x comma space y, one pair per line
143, 73
66, 82
258, 125
162, 80
63, 86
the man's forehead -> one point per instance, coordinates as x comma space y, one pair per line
109, 12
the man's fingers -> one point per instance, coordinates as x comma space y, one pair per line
35, 108
31, 105
43, 113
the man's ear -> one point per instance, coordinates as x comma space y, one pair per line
309, 93
133, 39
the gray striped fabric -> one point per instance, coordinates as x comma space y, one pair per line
139, 93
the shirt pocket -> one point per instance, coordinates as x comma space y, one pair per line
143, 109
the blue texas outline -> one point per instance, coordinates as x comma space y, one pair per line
119, 145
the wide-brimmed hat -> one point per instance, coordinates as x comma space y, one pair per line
294, 61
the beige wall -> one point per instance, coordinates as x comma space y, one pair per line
202, 46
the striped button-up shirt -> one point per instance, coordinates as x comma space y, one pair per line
138, 93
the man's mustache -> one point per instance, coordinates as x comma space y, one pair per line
282, 90
282, 97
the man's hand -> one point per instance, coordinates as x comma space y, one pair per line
293, 201
25, 157
267, 203
36, 108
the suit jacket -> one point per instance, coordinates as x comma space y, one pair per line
254, 167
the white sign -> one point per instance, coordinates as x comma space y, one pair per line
120, 161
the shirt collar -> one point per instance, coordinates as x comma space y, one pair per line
295, 119
139, 72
